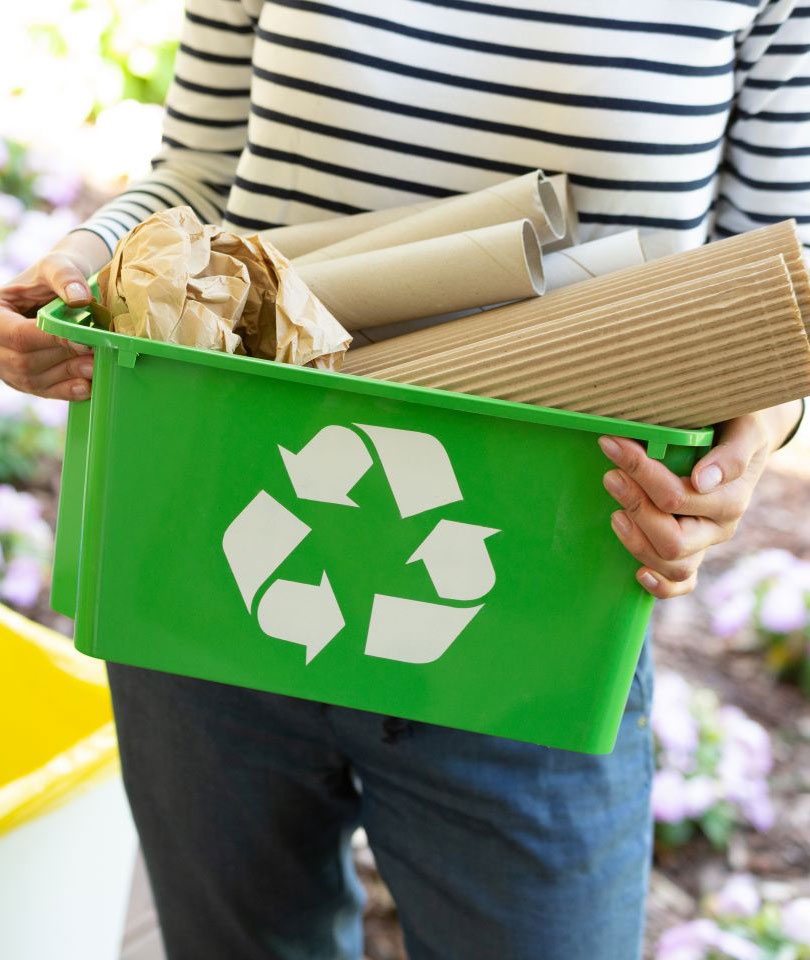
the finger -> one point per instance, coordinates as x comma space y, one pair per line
741, 441
663, 588
74, 389
669, 492
35, 361
66, 279
672, 538
636, 541
22, 335
80, 368
75, 347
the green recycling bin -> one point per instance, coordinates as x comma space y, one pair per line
421, 553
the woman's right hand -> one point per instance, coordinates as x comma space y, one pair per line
30, 359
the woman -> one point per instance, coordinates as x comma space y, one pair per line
687, 119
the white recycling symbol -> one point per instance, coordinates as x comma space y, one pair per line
327, 468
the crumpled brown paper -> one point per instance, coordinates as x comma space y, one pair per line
175, 279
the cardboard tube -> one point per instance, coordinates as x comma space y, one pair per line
688, 265
302, 238
693, 354
568, 266
528, 197
430, 277
588, 260
562, 187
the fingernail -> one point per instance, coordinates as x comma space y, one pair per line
86, 368
76, 291
620, 521
615, 483
709, 477
648, 580
609, 447
80, 390
79, 347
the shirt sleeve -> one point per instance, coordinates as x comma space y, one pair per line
204, 126
765, 174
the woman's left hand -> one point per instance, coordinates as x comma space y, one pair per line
668, 522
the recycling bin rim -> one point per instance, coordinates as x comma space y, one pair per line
75, 324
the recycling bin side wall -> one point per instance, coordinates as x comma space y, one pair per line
67, 841
65, 879
65, 578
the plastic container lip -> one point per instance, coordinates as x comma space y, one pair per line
72, 323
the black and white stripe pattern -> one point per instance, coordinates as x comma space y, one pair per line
691, 118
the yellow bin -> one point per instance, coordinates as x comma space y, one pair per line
67, 842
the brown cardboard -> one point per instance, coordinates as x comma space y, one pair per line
299, 239
702, 262
175, 279
529, 197
562, 268
685, 355
430, 277
565, 197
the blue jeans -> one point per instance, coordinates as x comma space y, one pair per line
493, 849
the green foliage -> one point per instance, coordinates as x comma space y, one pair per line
16, 179
27, 449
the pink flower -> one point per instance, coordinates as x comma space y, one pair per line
796, 920
783, 608
738, 896
21, 582
669, 798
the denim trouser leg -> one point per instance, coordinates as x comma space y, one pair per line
493, 849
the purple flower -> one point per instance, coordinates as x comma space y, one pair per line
36, 234
701, 794
758, 808
21, 582
747, 745
736, 947
672, 720
748, 573
18, 511
669, 798
783, 608
738, 896
11, 208
796, 920
12, 402
687, 941
733, 614
59, 188
50, 413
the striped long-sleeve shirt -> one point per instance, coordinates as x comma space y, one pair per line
690, 117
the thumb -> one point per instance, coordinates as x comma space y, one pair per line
66, 279
740, 440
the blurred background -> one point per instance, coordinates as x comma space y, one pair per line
81, 88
